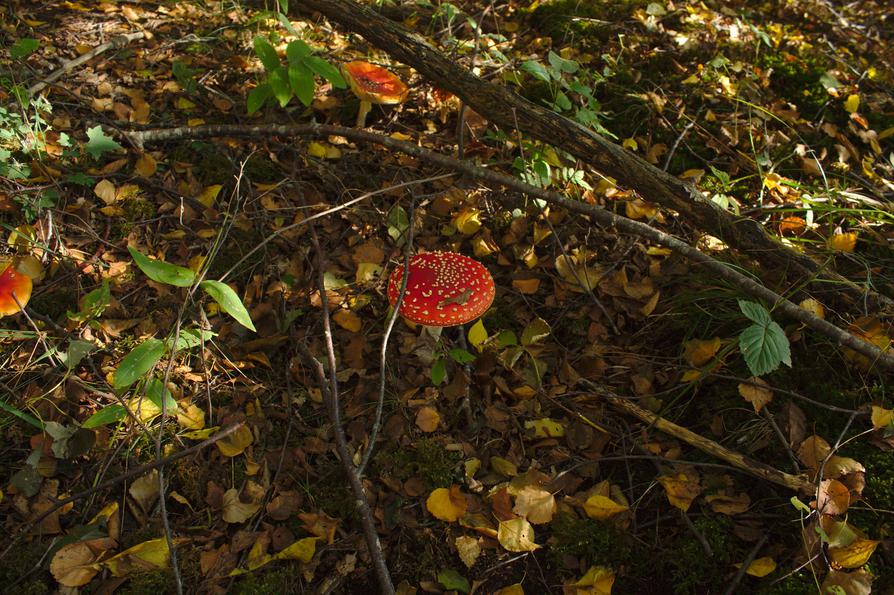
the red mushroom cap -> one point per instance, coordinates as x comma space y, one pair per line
443, 289
373, 83
12, 281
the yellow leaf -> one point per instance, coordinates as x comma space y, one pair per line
323, 150
209, 195
145, 165
482, 246
233, 444
516, 535
602, 507
367, 271
757, 392
852, 103
182, 103
854, 555
681, 489
843, 242
503, 467
191, 417
535, 504
814, 307
468, 549
545, 428
640, 209
881, 418
302, 550
200, 434
699, 352
691, 375
236, 511
597, 581
515, 589
106, 191
447, 505
347, 320
526, 286
477, 335
630, 143
149, 555
760, 567
428, 419
468, 221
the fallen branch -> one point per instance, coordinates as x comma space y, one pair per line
800, 483
497, 180
507, 109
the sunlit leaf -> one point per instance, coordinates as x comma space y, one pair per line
516, 535
446, 504
229, 302
138, 362
162, 272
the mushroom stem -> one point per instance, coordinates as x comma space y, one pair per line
365, 106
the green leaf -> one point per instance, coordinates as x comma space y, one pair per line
98, 143
162, 272
191, 338
325, 70
279, 82
398, 224
94, 304
561, 64
285, 22
438, 372
296, 51
77, 351
535, 69
755, 312
109, 414
451, 579
229, 302
796, 502
507, 339
23, 47
536, 330
461, 356
764, 348
302, 82
266, 53
136, 363
257, 97
155, 392
21, 415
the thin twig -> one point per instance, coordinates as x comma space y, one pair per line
498, 180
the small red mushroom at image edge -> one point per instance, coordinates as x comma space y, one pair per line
443, 289
373, 84
13, 282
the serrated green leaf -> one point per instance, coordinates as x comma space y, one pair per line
764, 348
325, 70
451, 579
138, 362
438, 372
107, 415
755, 312
162, 272
301, 80
98, 143
229, 302
257, 97
266, 53
461, 356
561, 64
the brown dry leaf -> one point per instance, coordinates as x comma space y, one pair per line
837, 466
428, 419
833, 497
577, 275
535, 504
284, 505
792, 226
236, 511
813, 451
146, 165
515, 589
145, 490
729, 505
757, 392
640, 209
526, 286
235, 443
516, 535
447, 504
106, 191
601, 507
814, 307
858, 582
681, 489
74, 565
597, 581
468, 549
347, 320
320, 524
854, 555
698, 352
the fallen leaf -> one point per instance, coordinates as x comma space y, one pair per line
234, 444
145, 556
601, 507
191, 417
347, 320
757, 392
144, 490
855, 555
74, 564
428, 419
881, 417
729, 505
446, 504
813, 451
858, 582
503, 467
814, 307
760, 567
535, 504
681, 489
598, 580
843, 242
545, 428
699, 352
468, 549
833, 497
515, 535
236, 511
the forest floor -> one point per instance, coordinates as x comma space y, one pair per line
500, 463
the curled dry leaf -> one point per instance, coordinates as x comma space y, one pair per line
757, 392
447, 504
75, 564
854, 555
681, 489
813, 451
858, 582
881, 417
729, 505
144, 490
833, 497
698, 352
516, 535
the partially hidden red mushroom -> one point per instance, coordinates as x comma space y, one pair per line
13, 282
373, 84
443, 289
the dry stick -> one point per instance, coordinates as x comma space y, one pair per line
497, 104
799, 483
116, 42
135, 472
341, 442
497, 180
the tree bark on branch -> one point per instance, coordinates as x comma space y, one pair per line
503, 107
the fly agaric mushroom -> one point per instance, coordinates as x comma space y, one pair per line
373, 84
13, 282
443, 289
